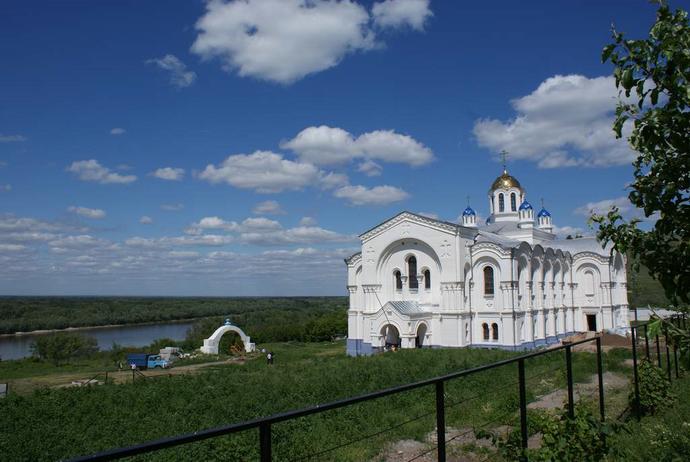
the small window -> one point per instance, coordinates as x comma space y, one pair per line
485, 328
589, 283
501, 203
398, 280
494, 331
513, 202
412, 272
427, 279
488, 280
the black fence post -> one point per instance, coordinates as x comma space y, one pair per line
440, 422
523, 405
675, 360
600, 373
635, 379
646, 341
658, 352
668, 355
265, 441
569, 370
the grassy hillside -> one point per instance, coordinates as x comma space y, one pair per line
58, 423
644, 290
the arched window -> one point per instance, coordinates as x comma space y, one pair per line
427, 279
589, 283
398, 280
494, 331
488, 280
513, 202
501, 203
412, 272
485, 328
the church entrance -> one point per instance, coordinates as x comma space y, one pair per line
421, 336
391, 336
592, 322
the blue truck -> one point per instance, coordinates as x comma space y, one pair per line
146, 361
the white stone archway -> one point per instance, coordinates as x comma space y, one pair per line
211, 344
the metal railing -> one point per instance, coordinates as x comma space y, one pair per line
678, 320
265, 424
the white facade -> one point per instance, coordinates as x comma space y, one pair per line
422, 282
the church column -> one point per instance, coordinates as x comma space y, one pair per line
371, 299
606, 311
452, 295
573, 326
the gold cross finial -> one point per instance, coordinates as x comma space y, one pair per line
468, 201
504, 154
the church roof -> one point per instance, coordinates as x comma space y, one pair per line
525, 205
505, 181
543, 213
407, 308
582, 244
468, 212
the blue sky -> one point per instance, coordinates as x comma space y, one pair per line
238, 148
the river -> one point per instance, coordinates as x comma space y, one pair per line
19, 346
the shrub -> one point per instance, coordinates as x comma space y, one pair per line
654, 386
61, 347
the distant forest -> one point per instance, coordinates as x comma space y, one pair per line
288, 316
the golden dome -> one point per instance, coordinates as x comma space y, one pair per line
505, 181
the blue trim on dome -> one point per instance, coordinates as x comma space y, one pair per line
543, 213
468, 212
525, 206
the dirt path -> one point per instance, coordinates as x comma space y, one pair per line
74, 379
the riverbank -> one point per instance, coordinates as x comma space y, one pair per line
106, 326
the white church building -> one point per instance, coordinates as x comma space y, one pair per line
508, 283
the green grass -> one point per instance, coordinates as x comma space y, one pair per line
663, 437
60, 423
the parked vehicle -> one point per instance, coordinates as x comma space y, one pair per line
147, 361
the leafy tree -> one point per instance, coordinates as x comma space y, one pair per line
653, 75
61, 347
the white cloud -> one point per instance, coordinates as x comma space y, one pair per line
87, 212
564, 231
398, 13
370, 168
76, 242
12, 247
117, 131
333, 180
268, 208
282, 40
179, 75
603, 206
91, 170
298, 235
172, 207
378, 195
263, 171
565, 122
325, 145
307, 221
146, 220
169, 173
11, 138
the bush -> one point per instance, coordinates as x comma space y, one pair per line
61, 347
654, 386
582, 438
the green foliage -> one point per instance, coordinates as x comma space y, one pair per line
58, 348
582, 438
663, 437
654, 73
655, 389
284, 314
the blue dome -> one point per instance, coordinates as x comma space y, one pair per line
468, 212
526, 206
543, 213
